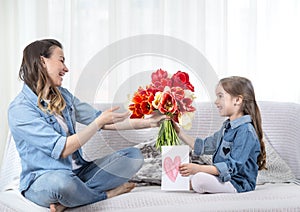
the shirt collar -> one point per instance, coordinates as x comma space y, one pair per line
32, 96
237, 122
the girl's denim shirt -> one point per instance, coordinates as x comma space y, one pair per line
235, 148
39, 137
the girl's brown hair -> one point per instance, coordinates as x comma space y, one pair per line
240, 86
35, 75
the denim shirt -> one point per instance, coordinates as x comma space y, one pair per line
235, 148
39, 137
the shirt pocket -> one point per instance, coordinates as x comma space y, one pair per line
225, 149
51, 120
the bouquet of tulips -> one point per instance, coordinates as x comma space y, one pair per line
171, 95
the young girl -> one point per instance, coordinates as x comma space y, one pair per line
42, 120
237, 148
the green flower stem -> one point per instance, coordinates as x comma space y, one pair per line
167, 135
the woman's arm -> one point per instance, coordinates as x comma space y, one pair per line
77, 140
131, 124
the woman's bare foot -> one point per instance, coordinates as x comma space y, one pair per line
125, 188
56, 207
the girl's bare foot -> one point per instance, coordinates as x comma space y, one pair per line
125, 188
56, 207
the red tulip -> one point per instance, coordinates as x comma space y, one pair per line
181, 79
168, 104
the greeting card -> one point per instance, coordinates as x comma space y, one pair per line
172, 157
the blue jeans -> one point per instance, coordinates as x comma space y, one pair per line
87, 184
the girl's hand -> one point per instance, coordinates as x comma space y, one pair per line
192, 168
188, 169
111, 117
176, 127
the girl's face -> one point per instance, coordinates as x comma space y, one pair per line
227, 105
55, 66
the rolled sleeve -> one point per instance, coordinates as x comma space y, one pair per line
224, 172
198, 146
58, 148
207, 145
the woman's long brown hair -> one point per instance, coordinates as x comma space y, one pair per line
240, 86
33, 73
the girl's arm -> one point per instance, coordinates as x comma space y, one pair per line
200, 146
189, 140
188, 169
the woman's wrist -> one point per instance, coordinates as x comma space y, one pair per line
146, 123
98, 123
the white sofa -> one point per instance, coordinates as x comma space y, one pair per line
277, 189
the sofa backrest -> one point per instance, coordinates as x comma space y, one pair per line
206, 122
280, 120
281, 124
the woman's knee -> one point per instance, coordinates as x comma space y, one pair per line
50, 187
134, 156
135, 153
62, 182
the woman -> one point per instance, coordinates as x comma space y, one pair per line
42, 120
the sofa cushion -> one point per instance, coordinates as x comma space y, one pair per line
278, 170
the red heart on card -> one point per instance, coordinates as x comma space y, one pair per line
172, 167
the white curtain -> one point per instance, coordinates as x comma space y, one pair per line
258, 39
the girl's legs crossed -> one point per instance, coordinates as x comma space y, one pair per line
207, 183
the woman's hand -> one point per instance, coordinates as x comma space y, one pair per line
110, 117
156, 119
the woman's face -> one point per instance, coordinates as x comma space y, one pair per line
55, 66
